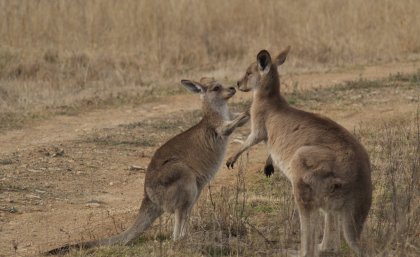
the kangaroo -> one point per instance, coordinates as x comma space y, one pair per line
328, 168
180, 168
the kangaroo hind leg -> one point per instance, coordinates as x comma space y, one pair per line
331, 238
181, 224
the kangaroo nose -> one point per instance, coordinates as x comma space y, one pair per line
232, 89
237, 83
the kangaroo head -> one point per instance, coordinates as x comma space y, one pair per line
213, 95
257, 70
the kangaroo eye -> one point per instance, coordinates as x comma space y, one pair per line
216, 88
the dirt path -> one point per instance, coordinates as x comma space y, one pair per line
62, 128
60, 207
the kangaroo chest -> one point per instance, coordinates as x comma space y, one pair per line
209, 166
280, 163
281, 151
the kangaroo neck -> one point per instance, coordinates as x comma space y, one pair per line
215, 116
269, 90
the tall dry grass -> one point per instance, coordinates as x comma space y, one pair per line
191, 33
394, 147
64, 55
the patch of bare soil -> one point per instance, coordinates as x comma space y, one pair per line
81, 177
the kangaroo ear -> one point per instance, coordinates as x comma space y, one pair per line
207, 80
193, 86
281, 58
264, 61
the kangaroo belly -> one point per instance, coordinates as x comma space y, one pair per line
282, 164
207, 162
214, 165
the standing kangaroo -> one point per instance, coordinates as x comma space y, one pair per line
328, 168
181, 167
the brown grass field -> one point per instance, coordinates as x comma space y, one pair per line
90, 89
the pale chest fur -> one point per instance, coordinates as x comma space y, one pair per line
258, 121
280, 163
279, 145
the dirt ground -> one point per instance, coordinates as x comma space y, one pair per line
74, 177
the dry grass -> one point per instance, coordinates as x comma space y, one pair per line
165, 34
394, 147
60, 57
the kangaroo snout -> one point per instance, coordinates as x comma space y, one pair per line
242, 86
230, 91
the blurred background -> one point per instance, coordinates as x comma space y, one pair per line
168, 35
67, 54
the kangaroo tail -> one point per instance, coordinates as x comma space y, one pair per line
148, 213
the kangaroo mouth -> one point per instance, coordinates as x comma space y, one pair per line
230, 95
244, 89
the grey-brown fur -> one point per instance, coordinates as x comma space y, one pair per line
181, 167
328, 168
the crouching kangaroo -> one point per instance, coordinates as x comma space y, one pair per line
328, 168
181, 167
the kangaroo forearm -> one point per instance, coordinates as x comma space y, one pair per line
230, 126
251, 140
227, 129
